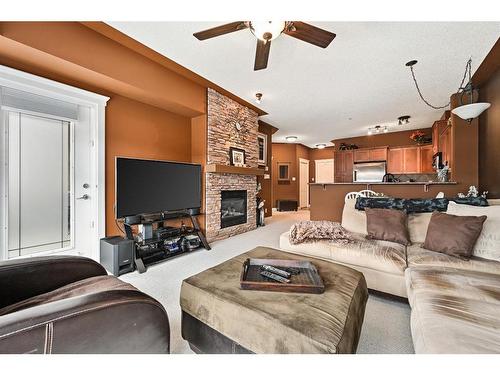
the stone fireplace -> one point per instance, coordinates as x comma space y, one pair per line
233, 208
228, 194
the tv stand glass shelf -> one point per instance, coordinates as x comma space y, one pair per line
164, 242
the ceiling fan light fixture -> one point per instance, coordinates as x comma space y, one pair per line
291, 138
470, 111
267, 30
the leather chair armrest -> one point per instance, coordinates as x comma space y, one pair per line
24, 278
114, 321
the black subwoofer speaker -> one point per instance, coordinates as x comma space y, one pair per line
117, 255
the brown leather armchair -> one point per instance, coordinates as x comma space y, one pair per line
67, 304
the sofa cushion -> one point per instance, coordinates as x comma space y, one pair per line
488, 244
91, 285
387, 225
417, 226
353, 220
378, 255
453, 235
454, 311
418, 256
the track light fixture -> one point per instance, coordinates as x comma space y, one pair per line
402, 120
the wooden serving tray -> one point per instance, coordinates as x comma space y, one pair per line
307, 281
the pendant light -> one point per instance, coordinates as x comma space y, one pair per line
466, 112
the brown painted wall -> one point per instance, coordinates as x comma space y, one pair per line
138, 120
267, 192
138, 130
489, 137
401, 138
285, 153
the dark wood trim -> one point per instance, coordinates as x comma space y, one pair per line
273, 128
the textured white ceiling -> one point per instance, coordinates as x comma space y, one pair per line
318, 94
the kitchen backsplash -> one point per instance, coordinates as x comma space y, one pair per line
421, 177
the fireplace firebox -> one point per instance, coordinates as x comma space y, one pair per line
233, 208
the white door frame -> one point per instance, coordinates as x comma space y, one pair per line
305, 161
19, 80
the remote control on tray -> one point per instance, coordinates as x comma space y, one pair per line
275, 270
274, 277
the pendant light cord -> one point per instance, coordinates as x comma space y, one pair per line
468, 69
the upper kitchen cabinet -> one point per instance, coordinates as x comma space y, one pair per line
426, 153
411, 159
370, 154
343, 166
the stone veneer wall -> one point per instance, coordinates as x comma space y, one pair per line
223, 113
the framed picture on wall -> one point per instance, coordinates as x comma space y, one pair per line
237, 156
262, 141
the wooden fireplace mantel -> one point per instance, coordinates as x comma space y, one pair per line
231, 169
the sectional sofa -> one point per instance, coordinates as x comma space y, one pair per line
455, 303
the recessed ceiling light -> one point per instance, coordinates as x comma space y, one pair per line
321, 145
258, 98
291, 138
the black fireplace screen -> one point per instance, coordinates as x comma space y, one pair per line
233, 208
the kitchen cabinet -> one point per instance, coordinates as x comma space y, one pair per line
343, 166
395, 160
361, 155
437, 129
445, 146
370, 154
411, 159
426, 153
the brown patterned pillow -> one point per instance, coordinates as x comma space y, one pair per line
453, 235
387, 224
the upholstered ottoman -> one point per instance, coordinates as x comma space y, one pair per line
219, 317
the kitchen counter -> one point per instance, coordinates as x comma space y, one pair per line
327, 200
386, 183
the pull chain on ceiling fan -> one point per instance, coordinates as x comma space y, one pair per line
266, 31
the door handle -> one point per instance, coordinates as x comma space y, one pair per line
84, 197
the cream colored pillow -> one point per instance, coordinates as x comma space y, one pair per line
417, 226
353, 220
488, 243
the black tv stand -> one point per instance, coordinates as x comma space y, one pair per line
156, 249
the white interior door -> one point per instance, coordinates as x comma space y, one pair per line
48, 184
304, 183
324, 171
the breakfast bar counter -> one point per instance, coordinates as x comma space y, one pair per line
327, 199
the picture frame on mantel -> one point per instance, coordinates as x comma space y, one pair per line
262, 142
237, 157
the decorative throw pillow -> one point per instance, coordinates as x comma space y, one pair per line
414, 205
453, 235
387, 225
488, 244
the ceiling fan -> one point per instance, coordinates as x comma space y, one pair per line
266, 31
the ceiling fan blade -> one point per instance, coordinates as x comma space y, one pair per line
309, 33
262, 54
220, 30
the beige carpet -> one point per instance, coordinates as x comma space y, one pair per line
386, 328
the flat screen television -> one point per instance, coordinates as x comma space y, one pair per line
151, 186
